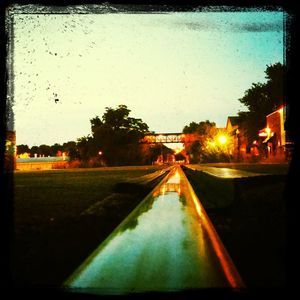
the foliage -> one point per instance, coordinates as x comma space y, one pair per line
202, 131
117, 136
216, 151
22, 149
262, 99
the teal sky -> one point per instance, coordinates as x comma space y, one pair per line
169, 69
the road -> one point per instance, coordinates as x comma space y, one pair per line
166, 244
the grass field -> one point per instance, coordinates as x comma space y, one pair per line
60, 216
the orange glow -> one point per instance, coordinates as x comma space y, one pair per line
160, 137
178, 150
24, 155
222, 139
220, 253
262, 134
226, 264
268, 130
198, 207
228, 267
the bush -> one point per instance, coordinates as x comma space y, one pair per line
74, 164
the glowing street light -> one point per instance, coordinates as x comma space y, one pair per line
222, 139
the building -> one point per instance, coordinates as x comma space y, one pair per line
10, 151
41, 163
239, 145
273, 139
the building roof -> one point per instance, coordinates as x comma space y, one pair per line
233, 120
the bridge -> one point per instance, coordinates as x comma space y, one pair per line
168, 138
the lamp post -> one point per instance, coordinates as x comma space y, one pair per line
237, 132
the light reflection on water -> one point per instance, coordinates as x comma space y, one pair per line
161, 246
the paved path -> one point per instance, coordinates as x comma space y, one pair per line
166, 244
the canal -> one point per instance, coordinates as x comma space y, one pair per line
166, 244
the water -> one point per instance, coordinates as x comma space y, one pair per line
165, 244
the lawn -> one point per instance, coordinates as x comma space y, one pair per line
60, 216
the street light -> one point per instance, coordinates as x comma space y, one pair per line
237, 132
222, 139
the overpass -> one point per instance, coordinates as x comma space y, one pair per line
168, 138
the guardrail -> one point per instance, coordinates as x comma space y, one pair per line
166, 244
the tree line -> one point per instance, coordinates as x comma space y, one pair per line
114, 140
46, 150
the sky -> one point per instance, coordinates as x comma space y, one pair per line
170, 69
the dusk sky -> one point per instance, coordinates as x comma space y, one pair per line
169, 69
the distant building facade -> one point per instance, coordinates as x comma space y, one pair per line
239, 146
273, 139
10, 151
41, 163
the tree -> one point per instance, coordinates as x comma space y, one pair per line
71, 149
262, 99
55, 148
45, 150
117, 136
202, 131
34, 150
86, 148
275, 85
22, 149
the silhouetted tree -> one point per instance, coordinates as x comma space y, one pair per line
86, 148
262, 99
117, 136
55, 148
34, 150
203, 130
22, 149
71, 149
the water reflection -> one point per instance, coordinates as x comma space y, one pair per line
166, 249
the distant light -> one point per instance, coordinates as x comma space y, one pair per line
100, 152
262, 134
